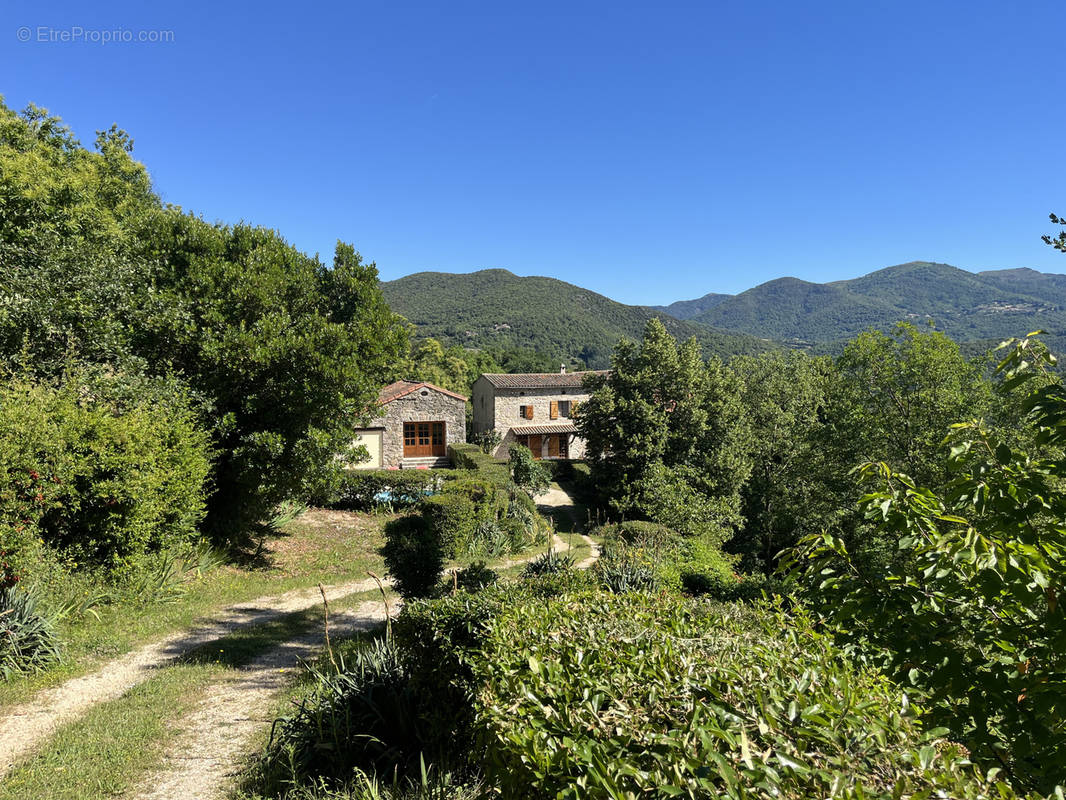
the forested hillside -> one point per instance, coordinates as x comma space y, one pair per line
495, 308
687, 309
967, 306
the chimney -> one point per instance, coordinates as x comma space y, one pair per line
562, 369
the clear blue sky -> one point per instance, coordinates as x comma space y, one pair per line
651, 152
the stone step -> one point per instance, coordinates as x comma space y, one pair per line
429, 462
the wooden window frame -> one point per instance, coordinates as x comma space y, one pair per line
424, 438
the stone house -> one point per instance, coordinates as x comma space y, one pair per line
419, 423
534, 408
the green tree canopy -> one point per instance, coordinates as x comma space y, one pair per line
660, 417
283, 355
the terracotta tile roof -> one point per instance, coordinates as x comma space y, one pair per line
394, 391
539, 380
540, 430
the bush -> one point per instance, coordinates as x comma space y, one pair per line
475, 577
670, 697
490, 501
488, 441
636, 547
549, 563
440, 638
103, 468
450, 519
364, 490
28, 642
528, 474
363, 716
413, 556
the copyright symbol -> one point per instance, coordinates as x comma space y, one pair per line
23, 34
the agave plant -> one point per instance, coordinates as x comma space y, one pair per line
550, 563
28, 642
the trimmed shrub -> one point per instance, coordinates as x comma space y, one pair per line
490, 501
450, 519
370, 489
413, 556
470, 457
28, 641
671, 697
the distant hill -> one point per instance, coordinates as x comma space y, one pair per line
968, 306
687, 309
495, 308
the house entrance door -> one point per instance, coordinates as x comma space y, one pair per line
423, 440
535, 446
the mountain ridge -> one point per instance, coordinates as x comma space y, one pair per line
495, 307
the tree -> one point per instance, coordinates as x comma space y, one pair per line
282, 355
896, 396
784, 398
661, 407
288, 354
969, 612
527, 473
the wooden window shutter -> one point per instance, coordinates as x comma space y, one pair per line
573, 407
529, 412
553, 411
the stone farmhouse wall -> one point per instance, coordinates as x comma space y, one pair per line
499, 409
422, 405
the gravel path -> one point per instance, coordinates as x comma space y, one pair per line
556, 501
593, 554
206, 755
25, 726
214, 736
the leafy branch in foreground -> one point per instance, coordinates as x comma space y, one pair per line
969, 610
1058, 242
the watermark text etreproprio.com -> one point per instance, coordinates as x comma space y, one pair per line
76, 34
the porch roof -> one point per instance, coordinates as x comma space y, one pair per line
541, 430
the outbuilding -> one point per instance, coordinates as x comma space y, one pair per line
419, 423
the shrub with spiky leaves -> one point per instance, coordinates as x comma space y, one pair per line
28, 641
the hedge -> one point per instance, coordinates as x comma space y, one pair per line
470, 457
360, 489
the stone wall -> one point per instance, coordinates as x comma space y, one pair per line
506, 414
423, 405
